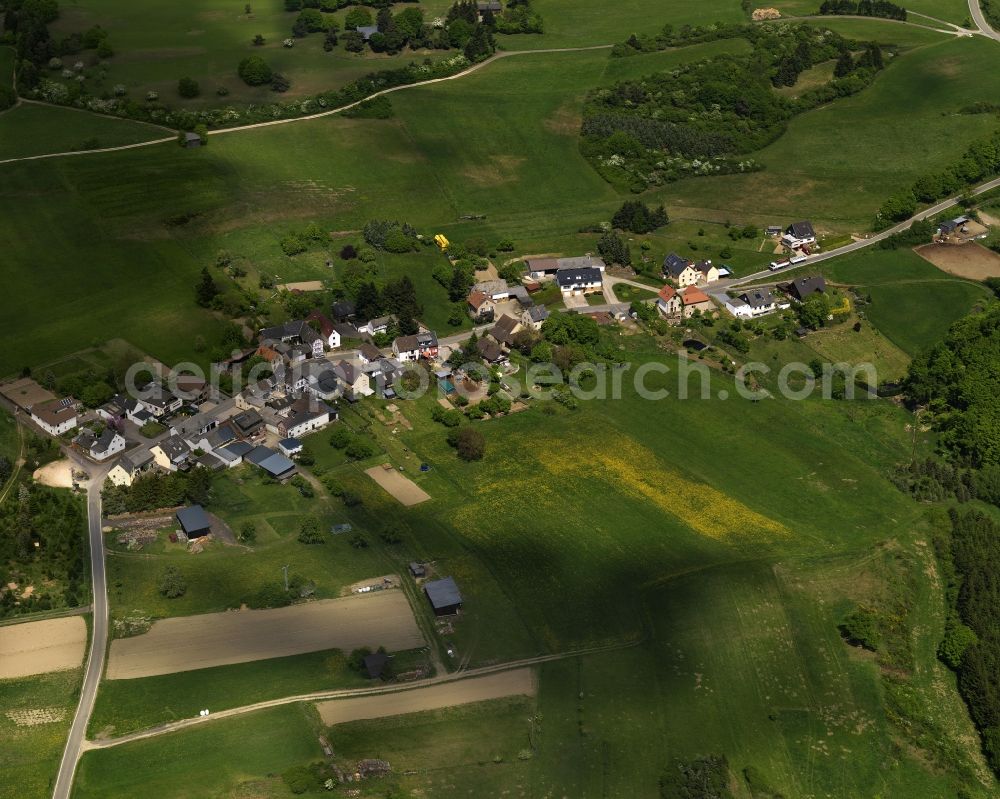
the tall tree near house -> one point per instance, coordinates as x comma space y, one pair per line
368, 304
845, 65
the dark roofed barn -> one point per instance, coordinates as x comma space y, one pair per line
375, 664
194, 521
444, 596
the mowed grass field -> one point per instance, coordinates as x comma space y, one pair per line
29, 757
38, 129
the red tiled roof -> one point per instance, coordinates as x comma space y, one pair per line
693, 295
667, 293
476, 299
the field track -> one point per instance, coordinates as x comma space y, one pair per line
494, 686
185, 643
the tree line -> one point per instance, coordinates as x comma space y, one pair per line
864, 8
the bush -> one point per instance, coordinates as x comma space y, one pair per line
255, 71
248, 533
860, 628
310, 532
359, 449
340, 438
188, 87
469, 442
172, 583
957, 638
293, 245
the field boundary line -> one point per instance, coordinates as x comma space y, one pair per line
353, 693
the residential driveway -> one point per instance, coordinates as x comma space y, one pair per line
575, 301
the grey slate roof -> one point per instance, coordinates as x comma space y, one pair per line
193, 518
802, 230
673, 265
758, 298
804, 286
575, 276
443, 593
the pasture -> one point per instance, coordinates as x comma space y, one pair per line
30, 129
35, 715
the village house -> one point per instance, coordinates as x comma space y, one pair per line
56, 416
694, 300
109, 443
379, 325
534, 316
327, 329
159, 401
481, 306
539, 268
413, 348
383, 373
496, 289
172, 453
761, 301
490, 351
503, 331
342, 311
708, 272
798, 235
356, 383
802, 287
290, 447
738, 307
680, 270
307, 415
368, 352
668, 301
583, 280
300, 338
130, 466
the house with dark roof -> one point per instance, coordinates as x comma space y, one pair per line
248, 423
585, 280
799, 234
503, 331
290, 447
194, 521
171, 453
342, 310
378, 325
307, 415
444, 596
534, 316
159, 401
761, 301
130, 466
480, 304
356, 383
108, 443
802, 287
707, 271
368, 352
300, 332
490, 351
680, 270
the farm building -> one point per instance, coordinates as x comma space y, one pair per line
194, 521
418, 569
375, 664
444, 596
290, 446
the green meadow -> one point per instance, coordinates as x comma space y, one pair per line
30, 755
40, 129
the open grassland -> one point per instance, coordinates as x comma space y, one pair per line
127, 705
837, 163
38, 129
206, 40
35, 715
223, 577
221, 758
513, 157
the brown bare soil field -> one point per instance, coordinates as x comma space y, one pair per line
58, 474
26, 392
37, 647
433, 697
400, 487
382, 618
304, 285
964, 260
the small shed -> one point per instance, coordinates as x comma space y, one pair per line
375, 664
418, 569
444, 596
192, 140
194, 521
290, 446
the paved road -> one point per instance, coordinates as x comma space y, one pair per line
98, 643
718, 290
979, 18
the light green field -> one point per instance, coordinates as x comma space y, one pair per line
29, 757
36, 129
211, 760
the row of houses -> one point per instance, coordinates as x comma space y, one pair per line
683, 272
683, 303
762, 301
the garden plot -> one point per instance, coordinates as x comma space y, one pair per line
400, 487
37, 647
461, 692
186, 643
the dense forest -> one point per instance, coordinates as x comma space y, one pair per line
971, 559
958, 380
705, 117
